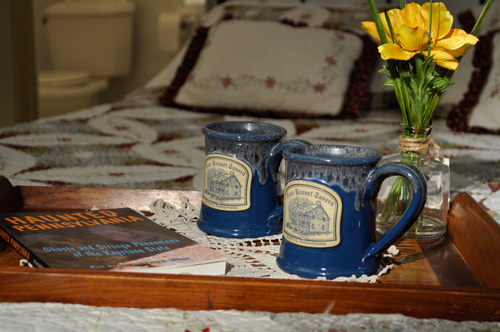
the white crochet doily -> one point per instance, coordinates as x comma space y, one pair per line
251, 258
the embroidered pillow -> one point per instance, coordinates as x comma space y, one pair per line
479, 110
268, 68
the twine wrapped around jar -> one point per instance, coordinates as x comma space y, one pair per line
420, 145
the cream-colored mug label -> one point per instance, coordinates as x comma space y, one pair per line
227, 183
311, 216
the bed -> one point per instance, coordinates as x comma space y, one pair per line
326, 92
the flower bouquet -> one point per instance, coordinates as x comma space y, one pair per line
422, 51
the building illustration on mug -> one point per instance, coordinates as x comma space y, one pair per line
223, 185
312, 214
227, 183
307, 218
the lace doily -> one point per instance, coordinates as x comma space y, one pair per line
248, 257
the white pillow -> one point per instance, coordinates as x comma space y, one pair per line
486, 114
479, 109
267, 66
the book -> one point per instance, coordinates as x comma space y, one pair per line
113, 239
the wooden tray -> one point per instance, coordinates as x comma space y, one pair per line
457, 279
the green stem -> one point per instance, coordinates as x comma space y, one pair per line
391, 203
391, 64
400, 190
481, 17
429, 110
430, 33
378, 23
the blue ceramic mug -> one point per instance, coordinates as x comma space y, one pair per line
329, 210
241, 178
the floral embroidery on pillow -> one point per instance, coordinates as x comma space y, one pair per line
297, 85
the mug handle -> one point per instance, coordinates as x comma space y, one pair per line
276, 154
419, 197
275, 217
272, 166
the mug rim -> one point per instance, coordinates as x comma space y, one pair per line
241, 131
300, 153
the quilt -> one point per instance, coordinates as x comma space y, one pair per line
137, 143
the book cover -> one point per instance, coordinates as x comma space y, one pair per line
113, 239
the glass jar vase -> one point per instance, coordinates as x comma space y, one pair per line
395, 192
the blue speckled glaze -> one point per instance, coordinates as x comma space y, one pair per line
250, 141
244, 131
342, 165
352, 173
260, 146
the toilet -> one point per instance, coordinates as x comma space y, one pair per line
64, 91
89, 42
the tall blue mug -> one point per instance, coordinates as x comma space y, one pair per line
241, 185
330, 207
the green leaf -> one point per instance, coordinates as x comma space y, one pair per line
388, 82
384, 70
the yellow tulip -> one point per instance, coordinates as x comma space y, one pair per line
411, 31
